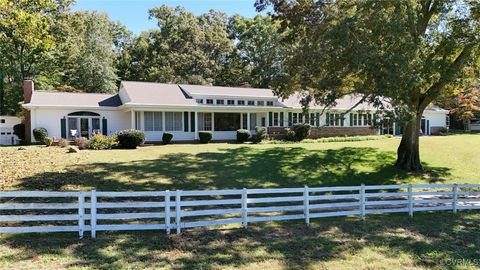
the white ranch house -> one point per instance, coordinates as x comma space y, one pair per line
184, 110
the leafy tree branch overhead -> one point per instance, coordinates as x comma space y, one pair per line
407, 51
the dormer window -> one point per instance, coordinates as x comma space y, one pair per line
260, 103
220, 101
200, 100
251, 103
209, 101
230, 102
269, 103
241, 102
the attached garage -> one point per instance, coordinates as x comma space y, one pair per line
6, 130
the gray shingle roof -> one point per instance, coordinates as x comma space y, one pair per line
205, 90
147, 93
43, 98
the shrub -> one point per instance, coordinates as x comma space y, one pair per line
291, 136
63, 143
260, 134
102, 142
167, 137
205, 136
301, 131
242, 135
48, 141
130, 138
40, 134
81, 142
19, 130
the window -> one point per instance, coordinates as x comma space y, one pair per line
220, 101
294, 118
369, 119
260, 103
2, 121
365, 120
276, 117
205, 121
152, 121
138, 120
200, 100
251, 103
312, 119
227, 121
253, 121
209, 101
230, 102
241, 102
447, 121
335, 119
173, 121
269, 103
355, 119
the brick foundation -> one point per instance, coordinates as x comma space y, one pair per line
279, 133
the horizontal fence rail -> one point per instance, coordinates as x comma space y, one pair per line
94, 211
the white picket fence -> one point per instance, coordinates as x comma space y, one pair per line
94, 211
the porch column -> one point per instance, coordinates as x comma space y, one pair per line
132, 119
213, 122
248, 121
196, 125
267, 119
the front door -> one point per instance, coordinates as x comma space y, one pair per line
84, 128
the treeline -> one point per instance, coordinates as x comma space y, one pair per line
88, 52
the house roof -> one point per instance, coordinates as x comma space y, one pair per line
343, 103
247, 92
147, 93
43, 98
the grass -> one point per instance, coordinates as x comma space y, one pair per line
429, 240
448, 159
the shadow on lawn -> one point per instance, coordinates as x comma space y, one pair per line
236, 168
380, 240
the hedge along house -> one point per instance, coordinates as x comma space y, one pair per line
184, 110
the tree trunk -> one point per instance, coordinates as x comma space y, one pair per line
408, 152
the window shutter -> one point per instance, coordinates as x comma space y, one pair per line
63, 127
185, 121
104, 127
342, 119
351, 119
290, 123
317, 116
270, 119
192, 121
328, 119
281, 119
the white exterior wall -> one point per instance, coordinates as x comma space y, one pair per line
50, 120
437, 119
6, 130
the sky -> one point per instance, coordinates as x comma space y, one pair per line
134, 13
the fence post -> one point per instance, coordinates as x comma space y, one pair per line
454, 198
362, 202
93, 213
167, 211
244, 208
81, 214
178, 210
410, 200
306, 205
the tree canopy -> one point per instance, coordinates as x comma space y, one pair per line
408, 52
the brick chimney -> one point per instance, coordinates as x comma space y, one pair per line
28, 89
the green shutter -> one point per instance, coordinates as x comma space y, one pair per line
281, 119
270, 119
185, 121
328, 119
104, 127
317, 116
290, 119
351, 119
63, 127
342, 119
192, 121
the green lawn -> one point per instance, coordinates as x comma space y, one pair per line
450, 159
429, 240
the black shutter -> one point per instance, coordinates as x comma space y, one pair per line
63, 127
104, 127
185, 121
192, 121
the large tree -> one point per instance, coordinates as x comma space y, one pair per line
407, 52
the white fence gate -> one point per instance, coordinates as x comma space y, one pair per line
94, 211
